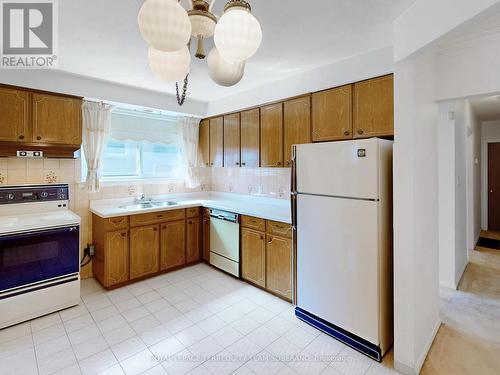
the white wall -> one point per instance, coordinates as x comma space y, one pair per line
416, 301
473, 159
356, 68
428, 20
61, 82
490, 132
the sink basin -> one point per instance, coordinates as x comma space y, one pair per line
137, 206
147, 205
164, 204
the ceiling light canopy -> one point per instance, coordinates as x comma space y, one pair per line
168, 28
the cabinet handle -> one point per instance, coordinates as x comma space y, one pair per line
211, 163
206, 164
159, 216
155, 229
237, 163
278, 163
124, 235
39, 138
270, 240
190, 222
346, 133
243, 163
164, 227
360, 131
288, 163
21, 137
261, 237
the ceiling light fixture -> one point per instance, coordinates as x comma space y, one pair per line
168, 28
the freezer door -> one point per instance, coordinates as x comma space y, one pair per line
344, 169
337, 262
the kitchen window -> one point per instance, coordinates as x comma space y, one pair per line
142, 146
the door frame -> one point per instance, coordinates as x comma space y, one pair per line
484, 180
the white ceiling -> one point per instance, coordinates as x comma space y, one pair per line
487, 108
100, 39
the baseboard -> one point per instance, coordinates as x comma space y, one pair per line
407, 370
446, 285
430, 340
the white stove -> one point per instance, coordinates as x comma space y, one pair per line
39, 252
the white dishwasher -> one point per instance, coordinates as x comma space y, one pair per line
225, 241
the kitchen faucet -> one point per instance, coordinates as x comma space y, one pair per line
142, 199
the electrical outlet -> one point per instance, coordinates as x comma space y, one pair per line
91, 250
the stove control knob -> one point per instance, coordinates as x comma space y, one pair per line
44, 194
10, 196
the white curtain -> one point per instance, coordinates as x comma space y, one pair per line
96, 124
189, 130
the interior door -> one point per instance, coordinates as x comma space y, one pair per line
494, 186
337, 262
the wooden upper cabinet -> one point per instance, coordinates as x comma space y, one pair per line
297, 124
205, 142
271, 135
332, 114
117, 258
279, 266
216, 141
173, 244
193, 240
15, 109
57, 119
253, 253
144, 251
232, 140
374, 107
250, 138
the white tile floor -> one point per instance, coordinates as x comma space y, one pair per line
196, 320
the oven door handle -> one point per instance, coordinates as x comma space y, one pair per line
27, 234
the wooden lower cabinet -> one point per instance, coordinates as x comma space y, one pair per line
172, 245
253, 253
193, 240
279, 266
206, 239
144, 251
116, 248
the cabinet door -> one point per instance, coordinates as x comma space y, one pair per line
144, 251
253, 252
332, 114
250, 138
374, 107
15, 108
57, 119
216, 142
232, 140
279, 266
193, 240
173, 244
271, 135
116, 258
297, 124
206, 239
205, 142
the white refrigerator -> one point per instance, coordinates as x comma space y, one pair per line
342, 220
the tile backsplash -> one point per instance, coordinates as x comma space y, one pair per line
271, 182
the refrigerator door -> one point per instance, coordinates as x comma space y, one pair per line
342, 169
337, 262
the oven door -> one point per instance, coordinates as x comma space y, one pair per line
31, 258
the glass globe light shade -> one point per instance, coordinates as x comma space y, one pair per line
170, 66
238, 33
202, 25
223, 72
164, 24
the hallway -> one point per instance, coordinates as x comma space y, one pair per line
468, 341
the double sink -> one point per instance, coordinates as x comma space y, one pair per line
148, 205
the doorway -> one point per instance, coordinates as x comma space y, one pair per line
494, 186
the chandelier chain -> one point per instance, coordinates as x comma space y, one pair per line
182, 98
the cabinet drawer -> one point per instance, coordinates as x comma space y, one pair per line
115, 223
206, 212
156, 217
253, 223
279, 229
193, 212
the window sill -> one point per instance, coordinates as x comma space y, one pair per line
137, 181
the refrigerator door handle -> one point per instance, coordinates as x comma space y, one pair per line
293, 164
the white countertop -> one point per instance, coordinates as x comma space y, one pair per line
263, 207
